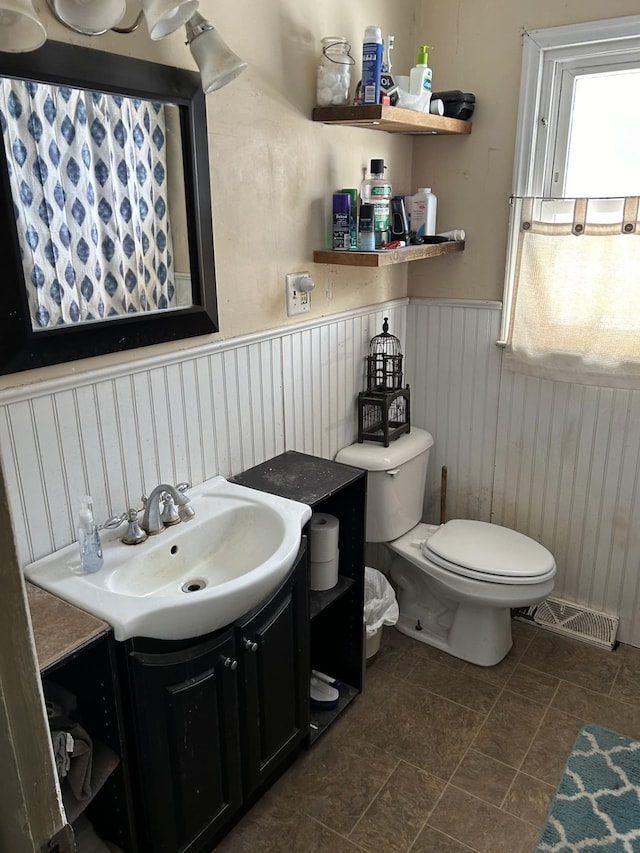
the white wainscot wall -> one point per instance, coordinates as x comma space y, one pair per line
556, 461
453, 367
567, 474
217, 409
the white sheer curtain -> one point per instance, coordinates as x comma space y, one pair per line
575, 313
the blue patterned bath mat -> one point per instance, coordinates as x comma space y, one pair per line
596, 808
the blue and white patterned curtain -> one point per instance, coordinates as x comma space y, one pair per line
89, 182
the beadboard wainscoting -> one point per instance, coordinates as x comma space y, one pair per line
216, 409
454, 368
568, 474
553, 460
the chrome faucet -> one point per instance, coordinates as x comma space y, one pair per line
152, 519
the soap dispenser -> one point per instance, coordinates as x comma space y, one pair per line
420, 76
91, 558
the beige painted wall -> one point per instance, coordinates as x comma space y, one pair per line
273, 170
478, 48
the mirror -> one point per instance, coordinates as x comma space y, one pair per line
105, 217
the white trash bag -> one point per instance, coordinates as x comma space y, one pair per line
380, 605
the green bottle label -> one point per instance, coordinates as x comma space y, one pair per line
384, 191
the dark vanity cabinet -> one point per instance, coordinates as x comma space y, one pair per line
213, 721
187, 743
200, 728
77, 657
336, 626
273, 656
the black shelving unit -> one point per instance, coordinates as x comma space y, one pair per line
336, 629
90, 674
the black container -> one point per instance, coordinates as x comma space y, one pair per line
399, 223
457, 104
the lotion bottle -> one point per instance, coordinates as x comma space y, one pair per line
91, 558
423, 213
420, 76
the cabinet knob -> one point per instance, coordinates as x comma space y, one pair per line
251, 646
230, 664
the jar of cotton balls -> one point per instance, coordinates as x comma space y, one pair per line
334, 72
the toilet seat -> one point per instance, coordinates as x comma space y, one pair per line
484, 552
489, 552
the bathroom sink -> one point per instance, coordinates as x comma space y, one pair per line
193, 577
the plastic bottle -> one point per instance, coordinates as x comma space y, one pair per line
91, 558
423, 213
366, 240
371, 65
341, 221
376, 190
399, 225
353, 194
420, 76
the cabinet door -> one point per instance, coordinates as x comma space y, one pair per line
187, 744
273, 646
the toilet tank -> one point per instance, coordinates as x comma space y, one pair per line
395, 482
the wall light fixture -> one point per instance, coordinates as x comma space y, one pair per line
217, 63
22, 30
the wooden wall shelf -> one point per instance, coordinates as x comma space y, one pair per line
391, 120
385, 259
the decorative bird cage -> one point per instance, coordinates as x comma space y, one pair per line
384, 408
384, 362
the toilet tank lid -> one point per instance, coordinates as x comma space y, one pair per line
375, 457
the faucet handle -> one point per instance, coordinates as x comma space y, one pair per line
169, 513
114, 521
135, 534
186, 512
182, 487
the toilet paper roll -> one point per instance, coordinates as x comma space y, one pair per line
324, 575
324, 530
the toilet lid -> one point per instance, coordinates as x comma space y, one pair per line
489, 549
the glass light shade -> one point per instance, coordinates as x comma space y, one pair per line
218, 64
20, 28
166, 16
89, 17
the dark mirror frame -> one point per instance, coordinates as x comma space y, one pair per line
22, 348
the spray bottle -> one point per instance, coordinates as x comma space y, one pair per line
371, 65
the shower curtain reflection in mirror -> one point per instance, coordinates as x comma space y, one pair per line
88, 174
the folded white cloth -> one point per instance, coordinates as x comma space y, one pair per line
62, 747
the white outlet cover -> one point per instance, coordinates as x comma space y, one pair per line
298, 301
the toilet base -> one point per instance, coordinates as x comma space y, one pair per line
479, 635
465, 617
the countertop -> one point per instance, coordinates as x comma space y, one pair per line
60, 629
299, 476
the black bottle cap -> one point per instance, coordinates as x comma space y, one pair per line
377, 167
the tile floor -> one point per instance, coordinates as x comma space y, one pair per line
440, 756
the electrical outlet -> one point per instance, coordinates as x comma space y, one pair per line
298, 289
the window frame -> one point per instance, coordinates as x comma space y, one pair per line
548, 55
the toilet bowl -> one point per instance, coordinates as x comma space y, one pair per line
464, 608
456, 583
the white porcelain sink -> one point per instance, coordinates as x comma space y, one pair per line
192, 578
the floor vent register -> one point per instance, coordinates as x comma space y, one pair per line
569, 619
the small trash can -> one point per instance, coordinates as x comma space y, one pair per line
380, 608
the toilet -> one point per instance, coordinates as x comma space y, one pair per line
457, 582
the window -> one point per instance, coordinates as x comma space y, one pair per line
572, 301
